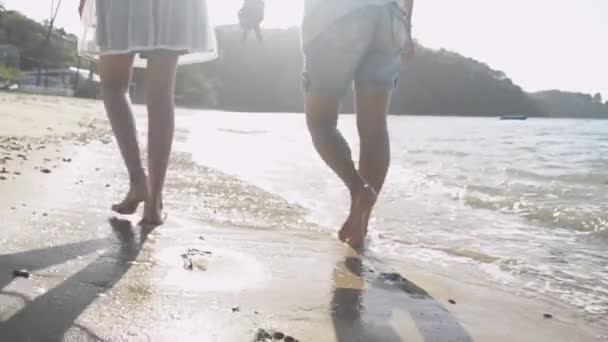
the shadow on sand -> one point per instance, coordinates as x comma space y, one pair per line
50, 316
366, 307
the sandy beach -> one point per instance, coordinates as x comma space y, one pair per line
232, 263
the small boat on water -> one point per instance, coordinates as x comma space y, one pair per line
513, 117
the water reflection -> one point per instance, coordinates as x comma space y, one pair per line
370, 307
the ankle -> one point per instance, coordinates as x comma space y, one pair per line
357, 186
155, 200
138, 179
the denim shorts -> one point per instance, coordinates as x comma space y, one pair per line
364, 46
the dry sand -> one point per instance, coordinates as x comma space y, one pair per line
231, 260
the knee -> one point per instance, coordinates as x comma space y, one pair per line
114, 87
320, 130
318, 124
159, 97
370, 129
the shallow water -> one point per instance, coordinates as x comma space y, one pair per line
524, 202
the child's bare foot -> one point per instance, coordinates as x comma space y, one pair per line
138, 192
354, 230
153, 212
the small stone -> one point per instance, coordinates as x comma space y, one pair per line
47, 171
394, 277
451, 301
261, 335
17, 173
13, 208
67, 160
45, 214
107, 185
236, 309
2, 178
96, 169
548, 316
3, 170
278, 335
201, 238
289, 339
21, 274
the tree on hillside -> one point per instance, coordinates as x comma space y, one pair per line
597, 98
30, 36
268, 78
568, 104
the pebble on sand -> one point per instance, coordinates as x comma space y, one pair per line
278, 335
2, 178
548, 315
45, 171
21, 274
262, 335
67, 160
451, 301
236, 309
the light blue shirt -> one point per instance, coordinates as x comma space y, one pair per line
320, 14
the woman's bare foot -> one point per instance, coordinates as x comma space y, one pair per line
354, 230
138, 192
153, 212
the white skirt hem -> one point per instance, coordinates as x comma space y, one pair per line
195, 51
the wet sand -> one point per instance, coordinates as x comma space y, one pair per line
233, 263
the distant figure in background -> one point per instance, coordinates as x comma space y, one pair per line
365, 41
162, 32
251, 16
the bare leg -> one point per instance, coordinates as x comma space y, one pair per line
115, 74
322, 120
160, 97
372, 109
258, 33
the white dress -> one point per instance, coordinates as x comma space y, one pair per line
111, 27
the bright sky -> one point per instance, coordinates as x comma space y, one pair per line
540, 44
